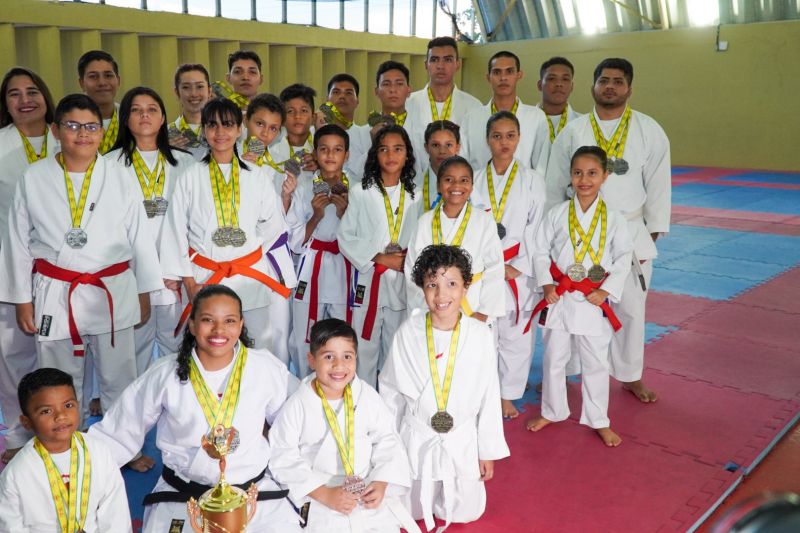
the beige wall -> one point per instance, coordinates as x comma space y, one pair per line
738, 108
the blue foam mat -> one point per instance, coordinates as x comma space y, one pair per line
764, 200
765, 177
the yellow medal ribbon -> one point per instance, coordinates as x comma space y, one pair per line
338, 114
76, 209
68, 506
438, 238
267, 158
347, 451
441, 390
226, 195
345, 181
152, 183
584, 240
183, 126
561, 123
394, 223
426, 195
497, 211
219, 411
513, 109
110, 136
309, 143
30, 153
399, 118
615, 147
230, 94
446, 110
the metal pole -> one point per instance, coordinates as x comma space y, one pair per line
313, 12
341, 14
366, 15
253, 14
185, 7
433, 18
219, 8
413, 20
391, 17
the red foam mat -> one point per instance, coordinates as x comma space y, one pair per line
781, 293
669, 309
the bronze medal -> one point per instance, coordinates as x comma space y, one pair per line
338, 188
354, 485
442, 422
596, 273
392, 248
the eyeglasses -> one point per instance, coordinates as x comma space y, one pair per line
75, 127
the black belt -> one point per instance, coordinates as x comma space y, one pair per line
191, 489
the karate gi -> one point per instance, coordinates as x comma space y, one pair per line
281, 151
433, 188
644, 197
534, 137
364, 232
17, 349
165, 305
486, 294
573, 323
158, 398
115, 223
444, 466
305, 456
191, 222
199, 152
523, 213
28, 501
555, 120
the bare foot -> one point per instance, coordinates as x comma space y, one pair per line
94, 407
535, 424
610, 438
143, 463
641, 391
509, 411
9, 454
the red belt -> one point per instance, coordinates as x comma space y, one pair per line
567, 285
74, 279
372, 306
331, 247
227, 269
508, 255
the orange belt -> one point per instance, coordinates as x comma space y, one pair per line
331, 247
45, 268
227, 269
508, 255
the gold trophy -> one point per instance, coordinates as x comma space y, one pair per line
224, 508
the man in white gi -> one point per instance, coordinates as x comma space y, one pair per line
639, 187
555, 84
341, 105
98, 76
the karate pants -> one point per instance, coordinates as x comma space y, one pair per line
115, 365
159, 330
372, 353
469, 499
515, 352
279, 326
627, 345
17, 358
592, 351
302, 329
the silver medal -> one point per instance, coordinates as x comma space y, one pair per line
222, 236
76, 238
149, 208
501, 230
161, 205
320, 186
576, 272
256, 146
620, 166
354, 485
237, 237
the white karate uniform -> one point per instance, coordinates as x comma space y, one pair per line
364, 232
281, 151
444, 466
523, 213
165, 305
115, 223
305, 456
555, 120
28, 501
17, 349
644, 197
419, 115
192, 221
331, 284
485, 295
433, 187
573, 322
199, 152
158, 398
534, 137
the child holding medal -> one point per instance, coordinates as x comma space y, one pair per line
214, 379
515, 196
442, 140
373, 235
62, 480
297, 142
456, 222
582, 256
334, 445
440, 382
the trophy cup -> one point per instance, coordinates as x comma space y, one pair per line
224, 508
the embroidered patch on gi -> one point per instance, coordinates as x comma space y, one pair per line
300, 291
44, 329
543, 317
360, 290
176, 526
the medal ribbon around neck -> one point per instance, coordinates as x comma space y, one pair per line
513, 109
394, 223
309, 142
183, 126
67, 504
226, 195
497, 212
345, 181
399, 118
30, 153
615, 147
215, 410
152, 183
76, 210
110, 136
347, 451
267, 158
338, 114
438, 238
586, 237
426, 195
230, 94
561, 124
442, 390
446, 110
